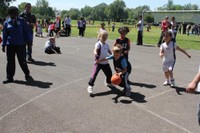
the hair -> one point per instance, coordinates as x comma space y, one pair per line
168, 33
123, 29
13, 11
116, 49
173, 18
103, 32
102, 24
27, 4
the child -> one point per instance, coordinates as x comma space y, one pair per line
113, 27
39, 29
167, 52
122, 67
81, 27
51, 29
101, 51
50, 47
15, 34
101, 29
124, 41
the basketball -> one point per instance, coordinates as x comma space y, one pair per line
116, 79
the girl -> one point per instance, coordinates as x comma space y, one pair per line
167, 52
39, 29
101, 29
122, 67
101, 51
123, 41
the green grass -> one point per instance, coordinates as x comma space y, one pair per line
150, 38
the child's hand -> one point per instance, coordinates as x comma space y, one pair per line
120, 74
191, 87
126, 52
161, 55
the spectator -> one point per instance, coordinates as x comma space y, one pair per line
140, 31
68, 25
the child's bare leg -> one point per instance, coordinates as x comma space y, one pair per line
167, 75
171, 75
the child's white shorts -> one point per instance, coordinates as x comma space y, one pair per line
168, 66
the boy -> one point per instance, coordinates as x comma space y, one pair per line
15, 35
122, 67
101, 51
50, 46
167, 52
124, 41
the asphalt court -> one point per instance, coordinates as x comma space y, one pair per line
57, 100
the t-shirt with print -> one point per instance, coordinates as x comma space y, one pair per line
104, 51
168, 51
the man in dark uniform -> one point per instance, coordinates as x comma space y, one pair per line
14, 38
31, 21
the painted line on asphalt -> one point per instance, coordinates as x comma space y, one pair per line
162, 118
41, 95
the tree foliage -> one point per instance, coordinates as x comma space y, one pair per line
4, 4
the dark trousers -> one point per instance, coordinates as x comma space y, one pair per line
81, 31
105, 68
125, 82
199, 114
51, 50
139, 38
160, 39
68, 30
20, 51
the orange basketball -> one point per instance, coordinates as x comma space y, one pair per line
116, 79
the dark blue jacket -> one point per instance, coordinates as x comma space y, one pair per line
15, 33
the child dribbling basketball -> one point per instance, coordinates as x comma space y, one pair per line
122, 67
101, 51
123, 41
167, 52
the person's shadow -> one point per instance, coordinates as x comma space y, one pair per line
34, 83
182, 89
149, 86
42, 63
121, 98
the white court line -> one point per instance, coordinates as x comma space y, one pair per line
37, 97
162, 118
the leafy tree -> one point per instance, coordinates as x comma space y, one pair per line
116, 10
99, 12
43, 9
87, 11
74, 13
4, 4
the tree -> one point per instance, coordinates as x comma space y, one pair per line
21, 6
43, 9
4, 4
87, 11
99, 12
74, 13
116, 10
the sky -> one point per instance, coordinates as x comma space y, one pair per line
67, 4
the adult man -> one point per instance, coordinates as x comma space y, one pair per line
68, 25
165, 25
140, 31
31, 21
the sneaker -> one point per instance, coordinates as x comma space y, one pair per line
128, 92
90, 89
172, 83
8, 81
31, 59
166, 83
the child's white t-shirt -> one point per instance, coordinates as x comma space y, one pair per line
168, 51
104, 51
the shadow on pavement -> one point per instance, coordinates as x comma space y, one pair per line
135, 96
150, 86
181, 89
35, 83
41, 63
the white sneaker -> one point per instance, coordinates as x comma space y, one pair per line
90, 89
166, 83
172, 83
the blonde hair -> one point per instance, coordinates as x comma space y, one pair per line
102, 33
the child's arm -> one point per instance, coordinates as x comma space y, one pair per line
124, 66
193, 85
183, 51
105, 59
161, 54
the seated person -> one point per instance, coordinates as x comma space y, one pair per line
50, 47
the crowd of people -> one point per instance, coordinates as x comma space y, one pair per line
18, 33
